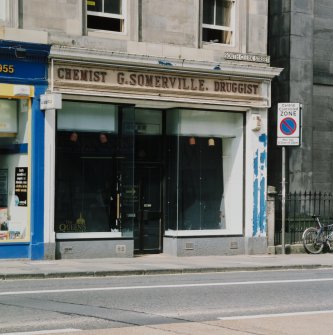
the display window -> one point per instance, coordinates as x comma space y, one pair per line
94, 170
205, 173
140, 173
14, 170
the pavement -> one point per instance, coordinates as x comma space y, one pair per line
158, 264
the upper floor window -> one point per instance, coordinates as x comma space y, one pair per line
9, 13
218, 21
3, 10
106, 15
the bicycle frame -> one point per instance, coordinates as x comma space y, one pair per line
316, 238
322, 229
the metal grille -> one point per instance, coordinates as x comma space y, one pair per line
300, 206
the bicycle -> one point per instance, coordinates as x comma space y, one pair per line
315, 239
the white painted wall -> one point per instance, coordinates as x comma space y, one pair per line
49, 181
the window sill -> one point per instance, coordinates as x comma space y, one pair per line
219, 46
107, 34
99, 235
193, 233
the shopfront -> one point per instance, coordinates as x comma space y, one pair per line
149, 159
23, 77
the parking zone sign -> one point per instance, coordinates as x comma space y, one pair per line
288, 124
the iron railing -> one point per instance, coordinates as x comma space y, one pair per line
300, 206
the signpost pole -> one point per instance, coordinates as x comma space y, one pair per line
283, 186
288, 134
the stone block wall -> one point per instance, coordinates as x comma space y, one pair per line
159, 28
300, 40
323, 96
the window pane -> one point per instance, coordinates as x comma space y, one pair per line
171, 215
14, 171
8, 116
86, 116
85, 182
95, 5
208, 11
148, 130
223, 12
94, 170
204, 170
216, 36
3, 10
112, 6
211, 185
201, 182
105, 23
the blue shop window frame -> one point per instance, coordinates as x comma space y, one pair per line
37, 176
35, 248
30, 70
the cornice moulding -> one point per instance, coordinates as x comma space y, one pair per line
153, 63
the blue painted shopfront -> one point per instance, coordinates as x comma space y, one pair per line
23, 78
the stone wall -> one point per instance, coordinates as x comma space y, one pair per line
323, 96
157, 28
291, 47
301, 85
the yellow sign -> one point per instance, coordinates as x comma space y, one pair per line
7, 68
16, 91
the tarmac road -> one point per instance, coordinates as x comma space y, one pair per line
259, 302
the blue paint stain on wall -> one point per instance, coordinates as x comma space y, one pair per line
255, 193
262, 214
259, 187
256, 165
263, 160
263, 139
262, 200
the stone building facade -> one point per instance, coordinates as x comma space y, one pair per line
300, 35
155, 124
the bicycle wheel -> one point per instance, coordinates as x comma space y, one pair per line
312, 241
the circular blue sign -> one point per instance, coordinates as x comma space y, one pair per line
288, 126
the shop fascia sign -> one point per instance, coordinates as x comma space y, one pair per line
51, 101
210, 86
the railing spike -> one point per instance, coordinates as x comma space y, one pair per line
300, 205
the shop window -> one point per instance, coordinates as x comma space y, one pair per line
106, 15
204, 188
14, 171
200, 183
218, 21
94, 169
148, 131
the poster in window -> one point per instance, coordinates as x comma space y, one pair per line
3, 188
21, 186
